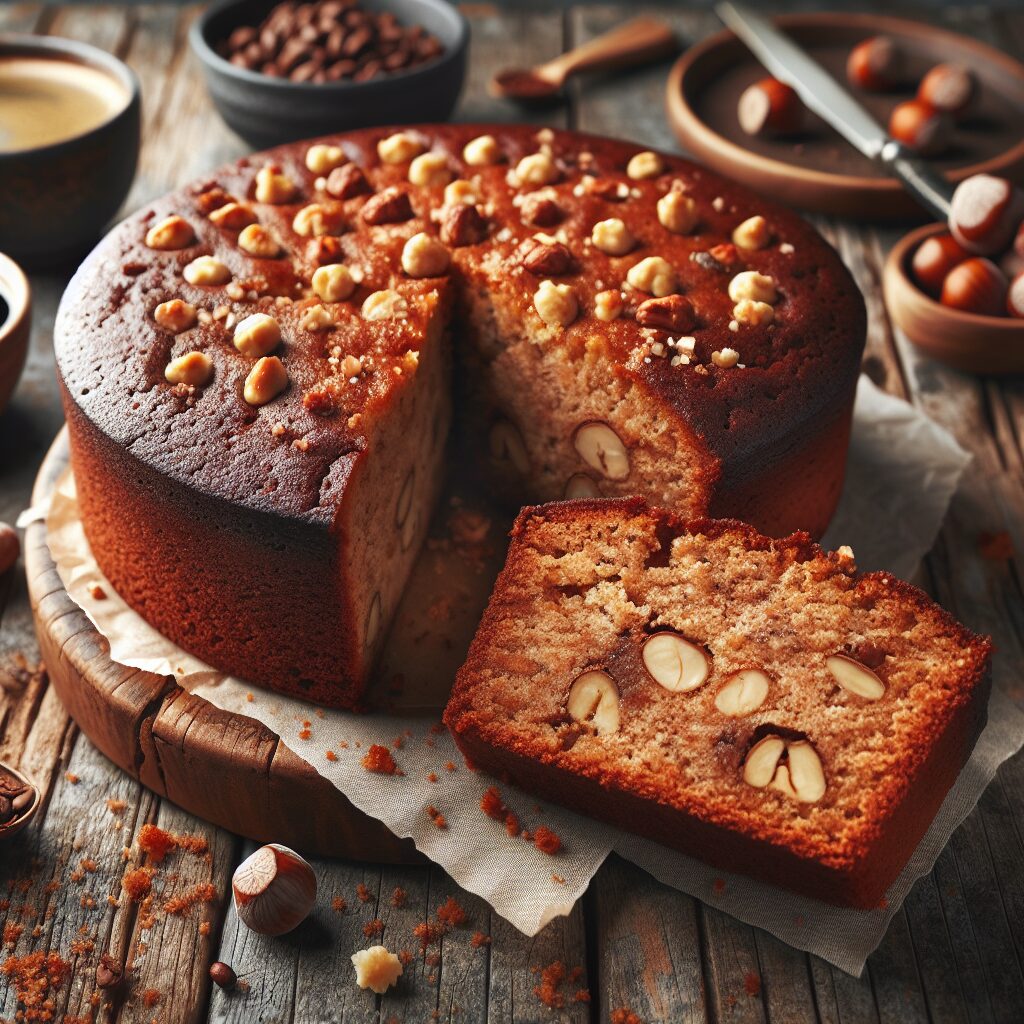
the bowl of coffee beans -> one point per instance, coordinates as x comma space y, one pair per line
283, 71
19, 801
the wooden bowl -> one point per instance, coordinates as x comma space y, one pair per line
965, 341
13, 827
15, 327
820, 171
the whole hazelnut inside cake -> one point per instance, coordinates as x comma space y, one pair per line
257, 372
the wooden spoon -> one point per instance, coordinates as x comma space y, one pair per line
635, 42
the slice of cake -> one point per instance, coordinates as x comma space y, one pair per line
752, 702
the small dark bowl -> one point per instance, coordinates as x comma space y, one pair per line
57, 199
267, 111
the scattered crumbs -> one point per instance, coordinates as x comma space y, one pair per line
97, 593
449, 766
117, 806
432, 777
398, 742
399, 897
582, 996
88, 864
204, 928
437, 817
624, 1015
339, 905
558, 879
364, 894
405, 956
12, 932
343, 744
35, 978
479, 939
373, 928
549, 990
719, 886
451, 914
72, 778
996, 547
250, 697
378, 759
151, 997
137, 883
547, 841
155, 842
319, 712
883, 903
511, 824
205, 893
492, 805
798, 920
428, 933
305, 734
752, 983
331, 755
77, 875
87, 902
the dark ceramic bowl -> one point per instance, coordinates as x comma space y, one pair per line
267, 111
15, 326
56, 200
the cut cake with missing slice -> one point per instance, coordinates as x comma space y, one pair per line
752, 702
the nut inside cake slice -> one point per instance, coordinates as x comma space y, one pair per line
753, 702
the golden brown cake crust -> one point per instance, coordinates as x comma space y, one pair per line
673, 767
288, 463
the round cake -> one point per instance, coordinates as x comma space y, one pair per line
259, 372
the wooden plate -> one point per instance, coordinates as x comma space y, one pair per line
820, 171
965, 341
226, 768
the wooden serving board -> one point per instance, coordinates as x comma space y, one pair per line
226, 768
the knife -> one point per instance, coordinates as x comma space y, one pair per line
822, 94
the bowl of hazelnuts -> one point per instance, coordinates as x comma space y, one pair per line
957, 289
283, 71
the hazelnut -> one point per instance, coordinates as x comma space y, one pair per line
645, 165
1015, 296
594, 700
316, 318
257, 335
950, 88
481, 151
975, 286
653, 275
333, 283
172, 232
876, 64
602, 449
460, 193
612, 236
673, 313
540, 209
753, 313
274, 890
753, 233
347, 182
463, 225
322, 159
579, 486
854, 677
743, 693
222, 975
770, 107
193, 368
233, 216
536, 169
430, 170
750, 284
376, 968
799, 777
546, 258
674, 662
391, 206
423, 256
985, 212
399, 148
934, 259
272, 186
920, 127
677, 212
205, 270
316, 220
10, 547
384, 305
256, 240
266, 380
608, 305
726, 358
175, 315
555, 303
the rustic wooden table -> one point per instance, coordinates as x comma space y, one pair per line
954, 952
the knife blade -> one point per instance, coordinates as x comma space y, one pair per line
822, 94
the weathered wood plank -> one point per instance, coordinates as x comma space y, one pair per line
731, 965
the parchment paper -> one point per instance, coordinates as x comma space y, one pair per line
903, 471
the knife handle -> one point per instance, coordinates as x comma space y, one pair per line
920, 179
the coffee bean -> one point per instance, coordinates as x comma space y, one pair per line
23, 800
6, 810
241, 38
